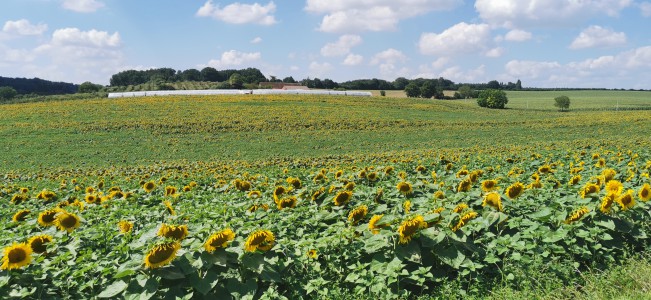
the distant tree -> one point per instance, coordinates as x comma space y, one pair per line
273, 79
209, 74
412, 90
89, 87
191, 75
518, 85
289, 79
465, 91
562, 102
236, 81
400, 83
7, 93
329, 84
493, 84
428, 90
383, 93
492, 99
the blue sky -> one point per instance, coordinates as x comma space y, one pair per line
552, 43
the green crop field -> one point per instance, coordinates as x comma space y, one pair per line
290, 197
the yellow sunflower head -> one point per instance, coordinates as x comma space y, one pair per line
357, 214
372, 176
295, 182
464, 185
219, 240
576, 179
350, 186
343, 197
489, 185
626, 201
614, 187
607, 203
279, 191
176, 232
48, 217
161, 255
493, 200
388, 170
16, 256
439, 195
21, 215
169, 207
410, 227
260, 240
577, 215
373, 225
289, 202
464, 220
608, 174
404, 188
67, 221
38, 243
460, 208
170, 191
645, 193
590, 188
149, 186
125, 227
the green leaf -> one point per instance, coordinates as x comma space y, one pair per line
124, 273
451, 256
113, 290
253, 262
410, 252
207, 283
431, 237
375, 243
555, 236
606, 224
542, 215
170, 273
270, 274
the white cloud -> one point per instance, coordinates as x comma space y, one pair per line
461, 38
389, 56
320, 69
626, 66
353, 60
549, 13
78, 56
342, 46
256, 40
457, 74
23, 27
9, 55
378, 15
238, 13
234, 58
517, 35
82, 6
597, 36
92, 38
645, 8
495, 52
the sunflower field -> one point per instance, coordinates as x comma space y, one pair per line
370, 221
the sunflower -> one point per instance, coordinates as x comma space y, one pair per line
373, 224
357, 214
168, 206
295, 182
262, 240
373, 176
440, 195
173, 231
18, 198
170, 191
24, 190
589, 188
464, 220
405, 188
149, 186
339, 174
289, 202
48, 217
67, 221
20, 215
577, 215
489, 185
421, 169
575, 180
219, 240
462, 172
279, 191
614, 187
608, 174
16, 256
46, 195
410, 227
607, 203
362, 174
342, 198
38, 243
91, 198
459, 208
388, 170
318, 193
125, 227
244, 186
312, 253
464, 185
161, 255
493, 200
350, 186
645, 192
626, 200
545, 169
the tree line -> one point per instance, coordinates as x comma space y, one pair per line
37, 86
135, 77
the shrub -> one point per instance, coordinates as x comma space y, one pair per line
412, 90
562, 102
492, 99
7, 93
383, 93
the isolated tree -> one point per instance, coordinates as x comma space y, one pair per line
412, 90
492, 99
209, 74
465, 91
7, 93
428, 90
89, 87
289, 79
493, 84
562, 102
